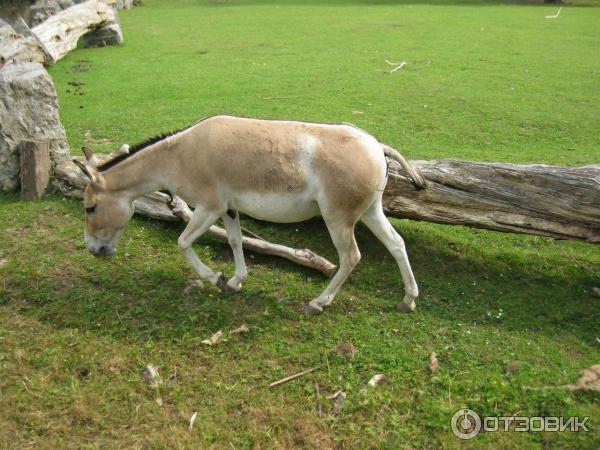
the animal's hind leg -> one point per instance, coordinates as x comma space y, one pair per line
234, 237
200, 222
342, 236
381, 227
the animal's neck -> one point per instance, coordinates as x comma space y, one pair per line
144, 172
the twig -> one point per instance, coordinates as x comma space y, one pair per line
280, 98
319, 410
555, 16
293, 377
398, 65
252, 234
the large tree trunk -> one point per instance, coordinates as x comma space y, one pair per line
559, 202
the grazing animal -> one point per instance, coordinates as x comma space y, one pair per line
279, 171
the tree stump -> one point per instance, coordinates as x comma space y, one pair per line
35, 169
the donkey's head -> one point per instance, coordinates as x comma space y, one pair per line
107, 211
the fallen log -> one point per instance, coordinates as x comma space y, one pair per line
60, 32
558, 202
71, 182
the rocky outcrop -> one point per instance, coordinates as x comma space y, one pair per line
28, 100
17, 47
28, 111
60, 33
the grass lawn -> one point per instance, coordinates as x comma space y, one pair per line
483, 81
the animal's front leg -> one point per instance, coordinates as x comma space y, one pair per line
234, 237
200, 222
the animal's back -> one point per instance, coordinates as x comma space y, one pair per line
295, 162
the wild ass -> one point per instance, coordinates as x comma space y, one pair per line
279, 171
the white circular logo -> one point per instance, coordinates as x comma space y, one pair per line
466, 424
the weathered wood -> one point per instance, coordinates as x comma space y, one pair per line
35, 169
559, 202
72, 182
59, 33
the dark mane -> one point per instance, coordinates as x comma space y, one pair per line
137, 148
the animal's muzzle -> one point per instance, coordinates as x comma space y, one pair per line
104, 250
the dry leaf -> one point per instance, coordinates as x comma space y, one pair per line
193, 285
3, 262
192, 420
433, 363
338, 402
345, 349
513, 366
376, 379
242, 329
596, 291
159, 401
334, 395
152, 376
214, 338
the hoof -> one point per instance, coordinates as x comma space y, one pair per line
222, 284
403, 307
312, 310
233, 285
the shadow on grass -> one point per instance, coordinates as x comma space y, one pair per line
461, 282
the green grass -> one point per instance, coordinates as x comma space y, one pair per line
76, 332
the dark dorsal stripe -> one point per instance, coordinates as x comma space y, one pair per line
136, 148
142, 145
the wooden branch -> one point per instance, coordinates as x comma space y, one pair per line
559, 202
293, 377
60, 32
71, 182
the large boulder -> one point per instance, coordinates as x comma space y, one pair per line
41, 10
20, 46
28, 111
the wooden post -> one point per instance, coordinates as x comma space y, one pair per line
35, 169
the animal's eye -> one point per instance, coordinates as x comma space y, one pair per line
91, 209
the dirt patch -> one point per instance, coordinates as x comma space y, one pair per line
287, 432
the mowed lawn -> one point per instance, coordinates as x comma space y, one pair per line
504, 313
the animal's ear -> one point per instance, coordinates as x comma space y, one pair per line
91, 158
88, 170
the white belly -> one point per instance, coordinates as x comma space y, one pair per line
281, 208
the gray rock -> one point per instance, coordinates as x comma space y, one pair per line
41, 10
123, 4
64, 4
19, 47
28, 111
109, 34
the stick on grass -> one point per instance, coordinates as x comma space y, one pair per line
293, 377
